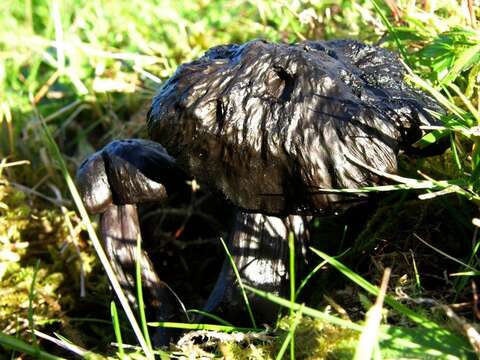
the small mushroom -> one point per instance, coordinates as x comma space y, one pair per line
269, 127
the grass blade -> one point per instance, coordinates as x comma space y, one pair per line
313, 272
317, 314
289, 337
116, 329
467, 102
372, 289
464, 60
138, 282
13, 343
63, 343
425, 341
211, 327
445, 254
55, 151
391, 30
31, 296
291, 248
368, 341
240, 283
211, 316
308, 277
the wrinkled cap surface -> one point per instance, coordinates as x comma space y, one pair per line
269, 125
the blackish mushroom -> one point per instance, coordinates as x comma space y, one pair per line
267, 126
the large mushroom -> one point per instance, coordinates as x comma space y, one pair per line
269, 127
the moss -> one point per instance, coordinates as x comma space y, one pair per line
316, 339
30, 233
237, 351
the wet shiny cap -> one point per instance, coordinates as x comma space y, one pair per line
269, 125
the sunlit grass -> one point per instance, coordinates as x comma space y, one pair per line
87, 67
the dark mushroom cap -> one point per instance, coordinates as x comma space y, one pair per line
270, 124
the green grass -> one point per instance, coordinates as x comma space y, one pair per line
240, 282
116, 328
75, 74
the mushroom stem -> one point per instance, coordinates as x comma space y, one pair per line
259, 247
120, 230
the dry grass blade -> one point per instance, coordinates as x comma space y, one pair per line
5, 164
29, 191
445, 254
397, 178
6, 114
469, 330
368, 339
73, 239
63, 344
471, 12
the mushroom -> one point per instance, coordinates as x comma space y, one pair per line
270, 127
